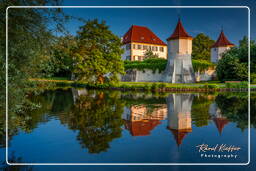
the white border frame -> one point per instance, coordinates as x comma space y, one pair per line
249, 119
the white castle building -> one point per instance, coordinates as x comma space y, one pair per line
137, 40
219, 47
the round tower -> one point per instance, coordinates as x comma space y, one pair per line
179, 67
219, 47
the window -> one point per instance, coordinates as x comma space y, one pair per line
139, 46
139, 58
145, 47
156, 48
161, 49
128, 46
134, 46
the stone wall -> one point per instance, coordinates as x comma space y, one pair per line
147, 75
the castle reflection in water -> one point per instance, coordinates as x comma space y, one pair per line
141, 119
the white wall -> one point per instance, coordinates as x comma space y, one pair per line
216, 53
180, 46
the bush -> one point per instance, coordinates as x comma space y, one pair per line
243, 84
253, 78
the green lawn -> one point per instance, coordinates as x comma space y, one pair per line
211, 85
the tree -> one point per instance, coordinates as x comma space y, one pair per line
230, 68
98, 53
60, 60
234, 62
201, 47
29, 39
149, 54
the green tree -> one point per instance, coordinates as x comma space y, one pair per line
234, 62
149, 55
201, 47
60, 60
98, 53
29, 39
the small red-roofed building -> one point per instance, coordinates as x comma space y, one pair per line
219, 47
137, 40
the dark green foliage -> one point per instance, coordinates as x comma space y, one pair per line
160, 64
98, 53
28, 40
234, 63
152, 63
201, 47
60, 60
231, 68
201, 65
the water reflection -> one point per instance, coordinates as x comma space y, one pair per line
141, 119
219, 120
179, 115
99, 118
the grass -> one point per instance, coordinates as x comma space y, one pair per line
145, 86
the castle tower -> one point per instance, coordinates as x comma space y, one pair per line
179, 115
219, 47
179, 67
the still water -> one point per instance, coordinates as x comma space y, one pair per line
89, 126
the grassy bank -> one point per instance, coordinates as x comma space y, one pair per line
146, 86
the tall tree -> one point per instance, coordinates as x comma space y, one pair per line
201, 47
98, 53
29, 39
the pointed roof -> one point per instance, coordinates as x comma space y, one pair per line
222, 41
179, 135
179, 32
141, 34
220, 123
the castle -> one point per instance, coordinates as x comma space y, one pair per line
137, 40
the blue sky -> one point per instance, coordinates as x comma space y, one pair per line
163, 21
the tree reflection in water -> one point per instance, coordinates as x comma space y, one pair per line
98, 116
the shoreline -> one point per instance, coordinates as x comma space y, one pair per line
145, 86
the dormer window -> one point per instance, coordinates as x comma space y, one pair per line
142, 38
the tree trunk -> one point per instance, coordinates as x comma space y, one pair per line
100, 79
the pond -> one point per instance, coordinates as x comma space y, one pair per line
95, 126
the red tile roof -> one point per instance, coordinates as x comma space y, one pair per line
179, 32
141, 128
222, 41
141, 34
220, 123
179, 135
